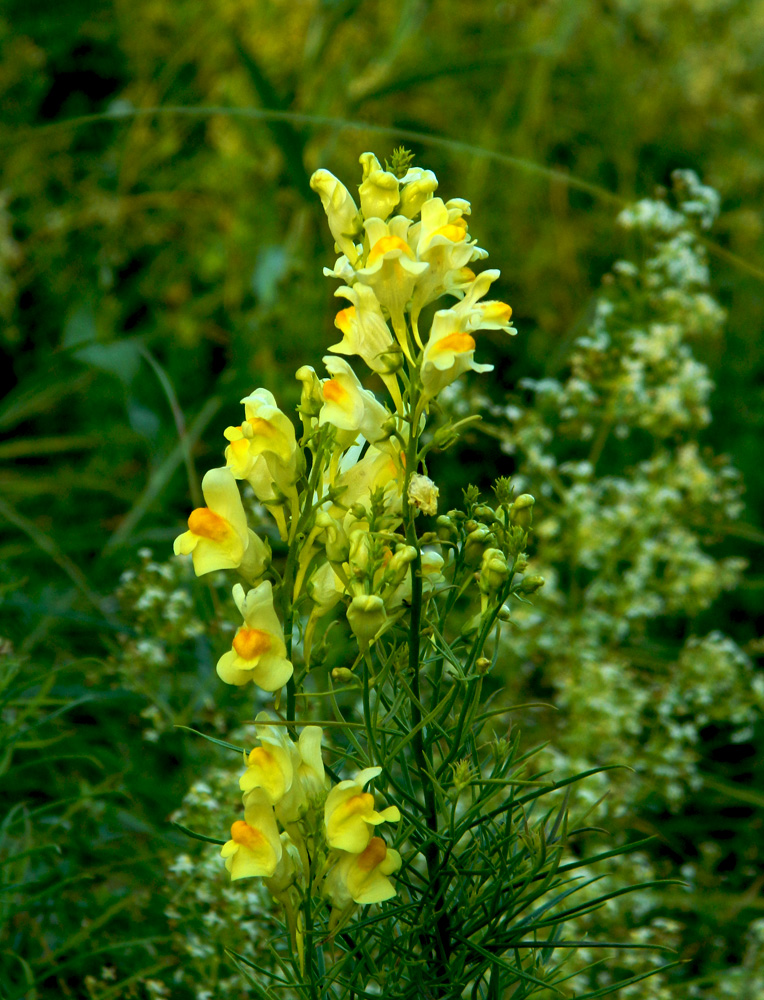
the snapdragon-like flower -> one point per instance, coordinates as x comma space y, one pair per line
259, 650
349, 813
363, 878
350, 407
391, 270
378, 190
255, 847
263, 450
364, 329
450, 349
217, 535
270, 767
341, 210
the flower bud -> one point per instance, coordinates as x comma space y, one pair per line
494, 571
398, 565
521, 563
418, 186
482, 665
311, 399
504, 613
484, 513
389, 362
521, 511
343, 675
360, 552
445, 528
530, 584
476, 543
366, 616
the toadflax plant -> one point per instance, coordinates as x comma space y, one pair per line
407, 844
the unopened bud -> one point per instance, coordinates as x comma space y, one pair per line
311, 399
366, 616
343, 675
531, 584
494, 571
484, 513
389, 362
462, 771
482, 665
504, 613
476, 543
359, 512
521, 563
521, 511
445, 528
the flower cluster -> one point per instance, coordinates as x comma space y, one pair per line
402, 250
298, 838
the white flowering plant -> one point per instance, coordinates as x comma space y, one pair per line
408, 844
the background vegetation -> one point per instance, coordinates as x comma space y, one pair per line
160, 256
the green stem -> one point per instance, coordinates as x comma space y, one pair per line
441, 945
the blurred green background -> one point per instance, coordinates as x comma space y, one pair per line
161, 255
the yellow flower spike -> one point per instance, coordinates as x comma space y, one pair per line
363, 878
349, 813
217, 535
258, 652
255, 847
379, 189
350, 407
341, 211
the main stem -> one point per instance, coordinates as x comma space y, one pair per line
422, 753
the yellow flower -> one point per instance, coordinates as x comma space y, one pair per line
255, 847
377, 469
362, 878
363, 327
348, 406
448, 353
417, 187
217, 535
263, 450
270, 767
391, 270
341, 210
259, 650
309, 783
349, 813
378, 190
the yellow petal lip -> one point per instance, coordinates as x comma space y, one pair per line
334, 392
372, 855
242, 833
207, 524
458, 343
385, 245
251, 643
